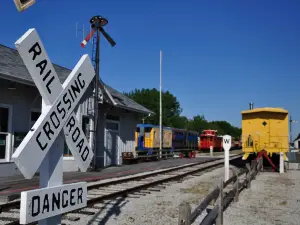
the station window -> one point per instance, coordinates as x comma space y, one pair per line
112, 126
34, 115
67, 152
86, 126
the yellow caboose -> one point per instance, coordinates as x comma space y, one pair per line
265, 129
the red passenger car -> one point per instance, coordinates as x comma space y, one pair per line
209, 138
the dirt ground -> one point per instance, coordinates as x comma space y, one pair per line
273, 199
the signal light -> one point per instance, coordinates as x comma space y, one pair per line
23, 4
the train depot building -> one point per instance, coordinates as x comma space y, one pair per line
20, 107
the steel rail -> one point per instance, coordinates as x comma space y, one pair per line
124, 193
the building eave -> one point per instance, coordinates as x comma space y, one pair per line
16, 79
134, 110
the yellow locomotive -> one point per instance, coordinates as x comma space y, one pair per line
265, 129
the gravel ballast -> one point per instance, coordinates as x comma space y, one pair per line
155, 208
273, 198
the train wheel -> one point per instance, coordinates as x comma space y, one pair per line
194, 154
190, 154
181, 155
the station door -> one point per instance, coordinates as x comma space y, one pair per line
111, 143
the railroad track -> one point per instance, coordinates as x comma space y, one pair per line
127, 187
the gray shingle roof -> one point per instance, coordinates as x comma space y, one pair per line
123, 101
13, 68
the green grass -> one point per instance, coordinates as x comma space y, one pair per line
198, 192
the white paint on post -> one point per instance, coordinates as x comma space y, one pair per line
281, 166
226, 147
51, 173
39, 139
48, 202
211, 150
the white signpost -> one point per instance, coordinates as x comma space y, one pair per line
226, 147
211, 151
42, 147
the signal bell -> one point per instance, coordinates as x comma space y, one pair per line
23, 4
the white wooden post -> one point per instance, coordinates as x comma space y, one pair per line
211, 151
226, 146
281, 169
51, 171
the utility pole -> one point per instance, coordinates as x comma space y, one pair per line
291, 121
97, 24
160, 107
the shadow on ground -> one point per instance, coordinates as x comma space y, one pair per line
238, 162
113, 209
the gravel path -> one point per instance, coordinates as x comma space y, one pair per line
273, 199
156, 208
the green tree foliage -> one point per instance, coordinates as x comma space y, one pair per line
149, 98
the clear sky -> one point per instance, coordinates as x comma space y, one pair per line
217, 55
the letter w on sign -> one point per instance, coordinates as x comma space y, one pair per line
62, 99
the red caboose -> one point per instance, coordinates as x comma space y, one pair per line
209, 138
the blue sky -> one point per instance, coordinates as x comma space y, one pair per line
217, 55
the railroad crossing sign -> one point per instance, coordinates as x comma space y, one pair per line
57, 115
62, 100
226, 147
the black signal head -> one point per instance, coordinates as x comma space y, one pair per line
98, 21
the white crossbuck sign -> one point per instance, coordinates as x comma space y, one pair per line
61, 100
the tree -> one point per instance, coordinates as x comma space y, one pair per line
228, 128
149, 98
180, 122
171, 113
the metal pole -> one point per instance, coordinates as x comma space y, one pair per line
96, 96
160, 107
290, 129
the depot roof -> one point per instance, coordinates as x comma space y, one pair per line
266, 109
12, 68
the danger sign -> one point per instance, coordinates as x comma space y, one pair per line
47, 202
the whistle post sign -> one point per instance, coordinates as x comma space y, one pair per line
57, 115
226, 147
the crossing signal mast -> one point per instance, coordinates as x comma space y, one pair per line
97, 24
